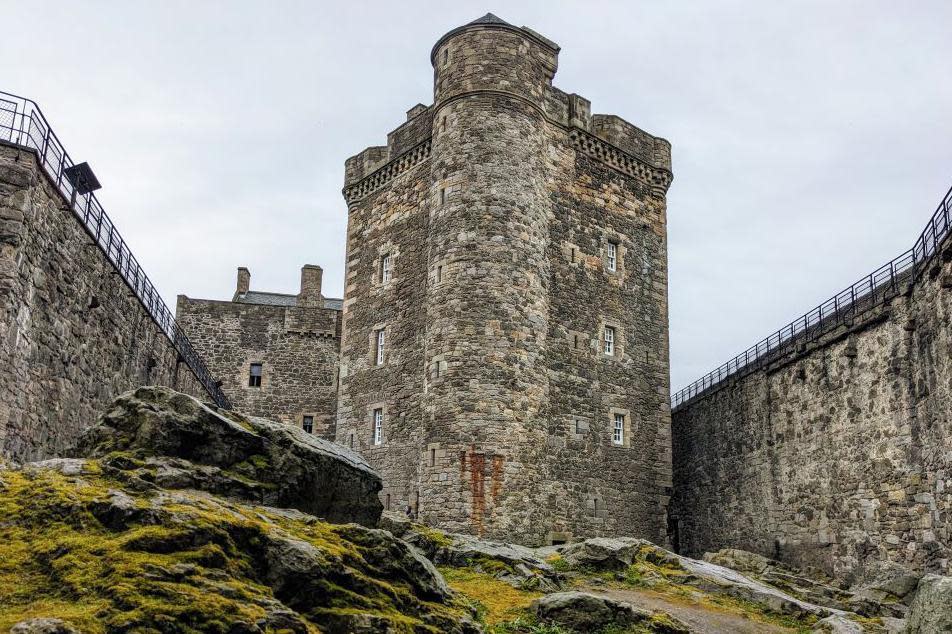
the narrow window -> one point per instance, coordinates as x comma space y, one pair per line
307, 424
579, 429
388, 501
446, 56
254, 375
609, 342
575, 341
595, 507
443, 124
573, 255
442, 195
436, 369
618, 432
381, 345
386, 268
351, 440
439, 274
612, 253
378, 426
432, 457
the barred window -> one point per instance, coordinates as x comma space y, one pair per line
612, 256
609, 341
378, 426
618, 432
254, 375
381, 346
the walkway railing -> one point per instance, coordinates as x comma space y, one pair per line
878, 286
22, 124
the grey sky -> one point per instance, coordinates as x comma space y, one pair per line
811, 140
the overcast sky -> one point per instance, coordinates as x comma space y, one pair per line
811, 140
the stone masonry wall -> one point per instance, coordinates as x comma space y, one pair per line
297, 347
838, 457
499, 201
72, 334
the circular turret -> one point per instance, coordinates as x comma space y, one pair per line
491, 54
487, 297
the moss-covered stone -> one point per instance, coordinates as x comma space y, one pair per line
186, 561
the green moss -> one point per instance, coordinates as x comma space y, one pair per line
558, 563
435, 537
197, 571
495, 601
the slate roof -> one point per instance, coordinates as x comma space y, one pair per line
282, 299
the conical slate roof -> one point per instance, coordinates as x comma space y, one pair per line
489, 18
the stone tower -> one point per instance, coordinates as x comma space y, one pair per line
504, 356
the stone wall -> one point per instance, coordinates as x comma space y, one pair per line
72, 334
497, 204
296, 339
837, 456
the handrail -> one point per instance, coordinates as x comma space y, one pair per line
22, 124
878, 286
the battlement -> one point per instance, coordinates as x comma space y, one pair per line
491, 55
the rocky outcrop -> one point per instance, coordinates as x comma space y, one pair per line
931, 610
517, 565
584, 612
616, 553
85, 542
185, 518
173, 441
887, 594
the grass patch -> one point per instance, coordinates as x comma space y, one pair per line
495, 601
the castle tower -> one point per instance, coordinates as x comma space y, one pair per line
504, 356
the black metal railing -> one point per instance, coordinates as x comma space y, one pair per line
880, 285
22, 124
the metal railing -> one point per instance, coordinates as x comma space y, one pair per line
880, 285
22, 124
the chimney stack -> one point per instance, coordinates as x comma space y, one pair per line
310, 295
244, 281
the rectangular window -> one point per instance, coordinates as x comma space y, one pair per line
432, 457
618, 432
307, 424
609, 343
439, 274
381, 345
612, 253
378, 426
386, 269
351, 440
254, 375
442, 195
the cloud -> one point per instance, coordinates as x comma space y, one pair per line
810, 139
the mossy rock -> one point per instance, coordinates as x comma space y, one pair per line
89, 546
172, 440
